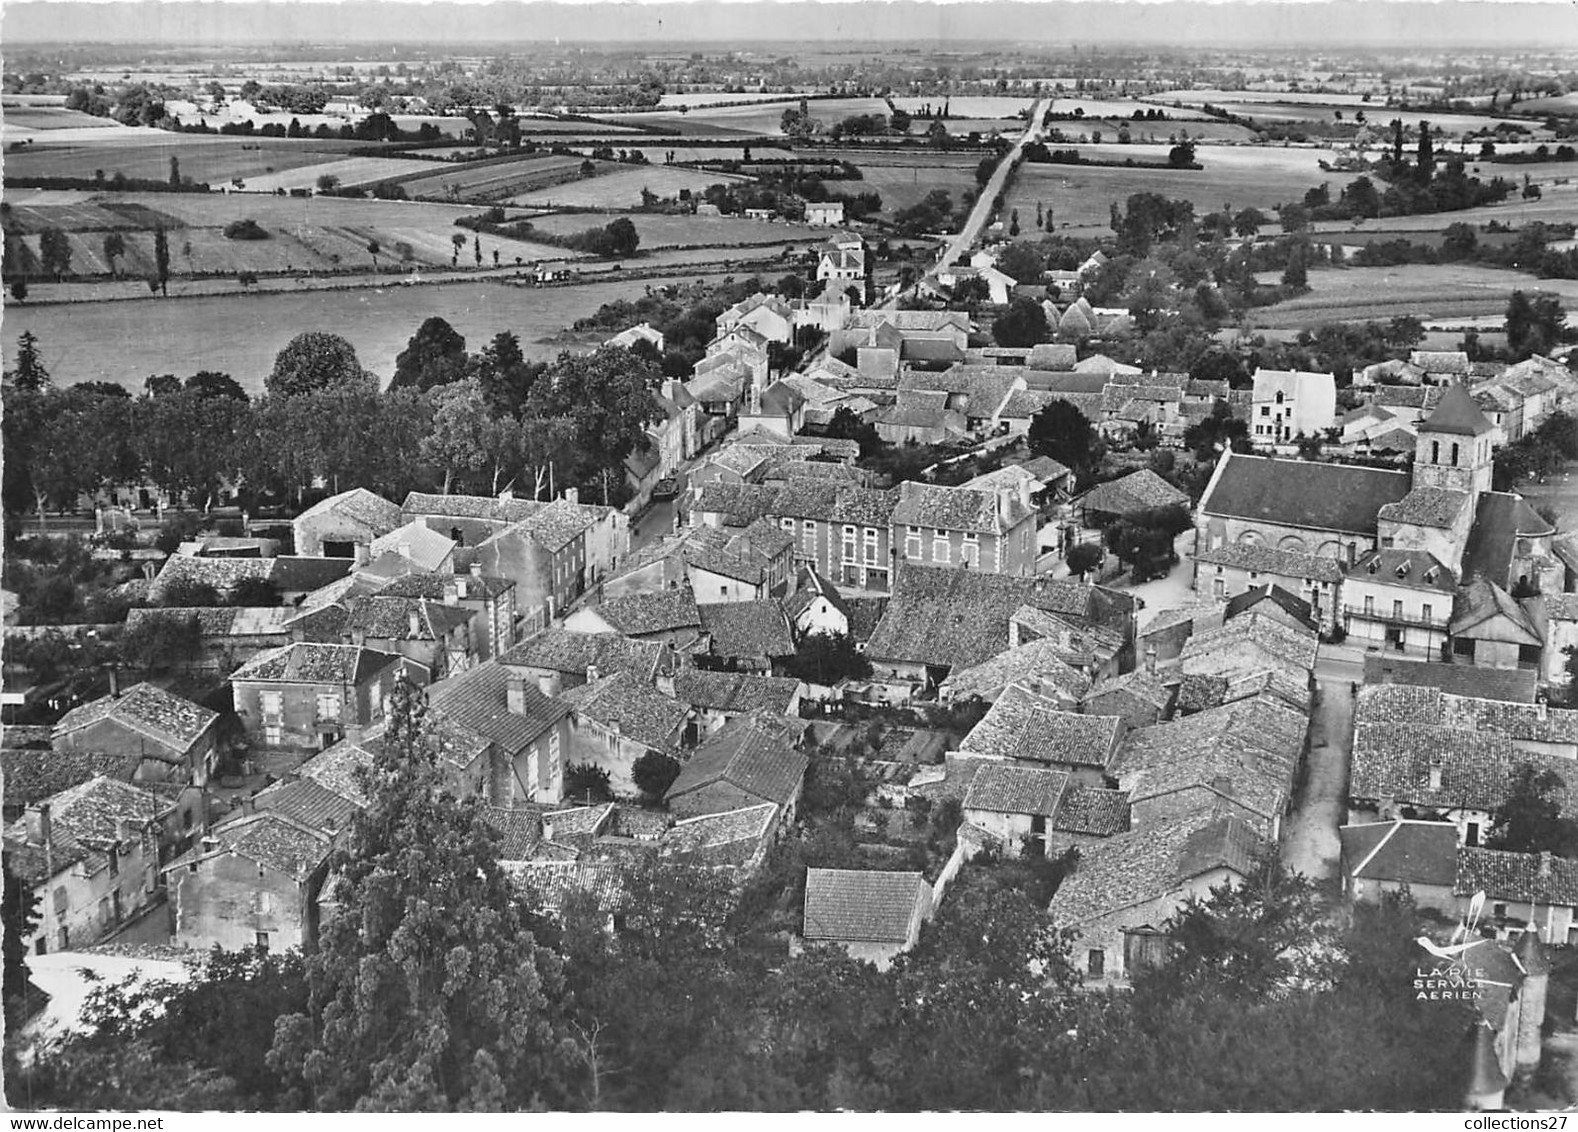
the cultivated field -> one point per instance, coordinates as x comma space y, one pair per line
665, 231
349, 172
497, 181
662, 154
621, 187
692, 125
312, 234
1426, 291
146, 154
719, 98
903, 185
48, 118
126, 341
1268, 106
970, 106
1242, 176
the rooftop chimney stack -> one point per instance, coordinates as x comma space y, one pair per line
476, 569
115, 683
362, 553
452, 591
515, 695
572, 495
1436, 771
416, 623
1150, 659
592, 674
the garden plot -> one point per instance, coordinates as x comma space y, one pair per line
348, 172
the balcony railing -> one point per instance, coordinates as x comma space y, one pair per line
1387, 617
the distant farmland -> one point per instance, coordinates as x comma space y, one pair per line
202, 157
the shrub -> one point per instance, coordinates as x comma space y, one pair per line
245, 229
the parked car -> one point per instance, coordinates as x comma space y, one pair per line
666, 488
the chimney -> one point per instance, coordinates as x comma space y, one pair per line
476, 569
546, 682
506, 495
515, 695
462, 586
38, 827
1543, 871
405, 549
547, 827
591, 674
1024, 493
1436, 770
452, 591
1150, 659
572, 495
362, 552
416, 623
1005, 506
1541, 709
1353, 554
115, 683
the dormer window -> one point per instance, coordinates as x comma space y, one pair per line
1279, 397
1402, 570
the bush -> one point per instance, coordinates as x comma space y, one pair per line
587, 784
1084, 558
247, 229
654, 772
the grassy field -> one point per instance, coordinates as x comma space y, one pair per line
48, 118
147, 153
1242, 176
350, 172
313, 234
904, 185
495, 182
665, 231
692, 125
620, 187
1426, 291
126, 341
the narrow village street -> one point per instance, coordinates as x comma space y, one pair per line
1309, 836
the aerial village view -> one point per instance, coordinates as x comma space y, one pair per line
692, 557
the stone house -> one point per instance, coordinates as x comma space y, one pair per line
308, 696
545, 555
747, 636
491, 600
556, 659
174, 738
715, 698
844, 531
954, 526
441, 638
1400, 601
90, 854
671, 617
616, 720
752, 760
873, 915
501, 738
344, 525
1290, 403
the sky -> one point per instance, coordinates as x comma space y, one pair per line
1191, 23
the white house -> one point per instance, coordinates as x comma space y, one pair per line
641, 332
842, 259
1289, 402
999, 284
768, 315
824, 214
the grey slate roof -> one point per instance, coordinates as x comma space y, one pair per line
1408, 852
847, 905
1328, 497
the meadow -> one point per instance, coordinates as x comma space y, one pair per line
126, 341
348, 172
495, 181
659, 230
1425, 291
620, 187
146, 154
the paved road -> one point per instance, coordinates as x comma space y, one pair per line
982, 212
658, 520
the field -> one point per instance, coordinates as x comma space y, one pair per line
498, 181
1269, 106
621, 187
903, 185
690, 125
661, 154
1561, 104
718, 98
147, 153
1426, 291
312, 234
970, 106
126, 341
1242, 176
665, 231
350, 172
48, 118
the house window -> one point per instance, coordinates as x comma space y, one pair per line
553, 756
1096, 963
262, 941
273, 734
787, 524
1397, 610
1464, 647
62, 901
329, 706
912, 546
1265, 410
1471, 834
971, 554
1369, 606
939, 551
115, 861
271, 703
1501, 911
1428, 610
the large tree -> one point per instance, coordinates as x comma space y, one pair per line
1023, 324
435, 355
315, 360
1534, 324
607, 396
1530, 819
1062, 432
465, 438
428, 992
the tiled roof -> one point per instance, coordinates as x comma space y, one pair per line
1481, 601
1268, 560
221, 621
1394, 760
1149, 863
31, 775
1440, 361
1023, 725
864, 614
563, 650
550, 883
737, 837
1247, 751
224, 574
84, 819
299, 574
1414, 569
308, 802
274, 840
1427, 507
1053, 356
1328, 497
1142, 685
1537, 878
149, 710
336, 770
1499, 521
478, 700
1094, 811
468, 587
556, 525
1409, 852
835, 503
360, 504
1036, 663
747, 629
1141, 490
1456, 413
519, 827
1423, 397
1004, 788
958, 509
755, 753
960, 618
1276, 596
427, 548
498, 510
740, 504
405, 618
637, 615
734, 692
1512, 685
307, 663
1292, 646
847, 905
632, 705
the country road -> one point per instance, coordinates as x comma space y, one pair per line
982, 212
